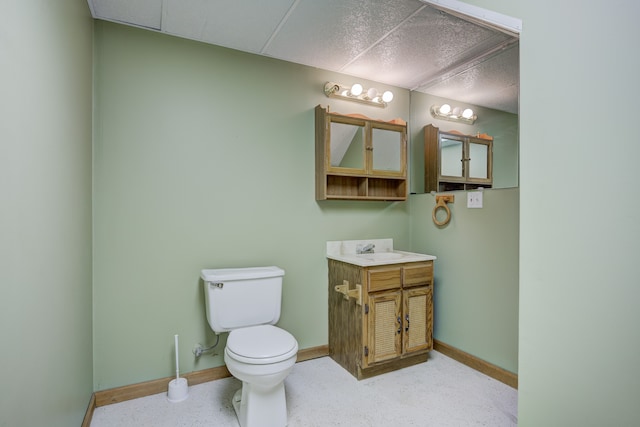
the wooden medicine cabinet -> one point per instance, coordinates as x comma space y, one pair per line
453, 161
358, 158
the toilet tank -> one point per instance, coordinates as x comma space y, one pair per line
240, 297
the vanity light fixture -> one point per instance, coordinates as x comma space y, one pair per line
457, 114
357, 93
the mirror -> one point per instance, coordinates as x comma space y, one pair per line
347, 146
450, 154
502, 126
478, 161
387, 149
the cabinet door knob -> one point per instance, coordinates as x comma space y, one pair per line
407, 319
399, 324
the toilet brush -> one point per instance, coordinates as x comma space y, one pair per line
178, 388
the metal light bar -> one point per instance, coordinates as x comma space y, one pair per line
358, 94
445, 112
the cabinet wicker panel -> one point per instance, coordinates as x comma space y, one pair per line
384, 323
417, 317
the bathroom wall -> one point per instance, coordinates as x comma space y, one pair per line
45, 213
204, 158
476, 273
579, 228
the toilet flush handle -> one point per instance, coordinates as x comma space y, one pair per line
216, 284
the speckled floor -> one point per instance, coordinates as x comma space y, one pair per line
439, 393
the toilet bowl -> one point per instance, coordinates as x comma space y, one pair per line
246, 303
262, 370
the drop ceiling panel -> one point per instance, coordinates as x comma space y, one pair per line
330, 33
241, 25
493, 83
428, 43
143, 13
404, 43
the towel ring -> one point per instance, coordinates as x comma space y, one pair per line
441, 202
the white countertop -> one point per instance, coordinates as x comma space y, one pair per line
384, 254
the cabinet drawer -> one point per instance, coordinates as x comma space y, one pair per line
384, 278
418, 274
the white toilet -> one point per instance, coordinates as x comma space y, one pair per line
246, 303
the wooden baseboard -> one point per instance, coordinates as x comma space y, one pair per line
88, 416
495, 372
147, 388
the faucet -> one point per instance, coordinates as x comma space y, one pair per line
365, 249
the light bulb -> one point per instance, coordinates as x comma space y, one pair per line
456, 112
387, 96
356, 89
445, 109
372, 93
467, 113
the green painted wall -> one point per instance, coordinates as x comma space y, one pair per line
476, 273
45, 214
579, 228
204, 158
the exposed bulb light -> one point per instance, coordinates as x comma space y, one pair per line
357, 93
356, 89
455, 114
445, 109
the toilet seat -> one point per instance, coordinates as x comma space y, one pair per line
261, 345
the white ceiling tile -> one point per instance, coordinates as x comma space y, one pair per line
241, 25
493, 83
330, 33
143, 13
430, 42
403, 43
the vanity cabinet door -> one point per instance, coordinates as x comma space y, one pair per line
417, 319
385, 326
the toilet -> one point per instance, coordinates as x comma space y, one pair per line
246, 303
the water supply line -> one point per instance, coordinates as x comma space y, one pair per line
198, 350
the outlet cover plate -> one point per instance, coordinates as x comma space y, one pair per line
474, 199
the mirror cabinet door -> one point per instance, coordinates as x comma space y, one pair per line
346, 146
478, 160
387, 150
451, 155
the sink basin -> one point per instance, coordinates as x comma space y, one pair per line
379, 256
347, 251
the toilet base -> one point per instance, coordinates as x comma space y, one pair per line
256, 406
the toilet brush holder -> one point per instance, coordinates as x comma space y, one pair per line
178, 390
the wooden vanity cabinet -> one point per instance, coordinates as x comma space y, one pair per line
392, 327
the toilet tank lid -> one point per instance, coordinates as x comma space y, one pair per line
227, 274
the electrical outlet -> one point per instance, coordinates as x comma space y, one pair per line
474, 199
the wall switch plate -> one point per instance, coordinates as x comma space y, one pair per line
474, 199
